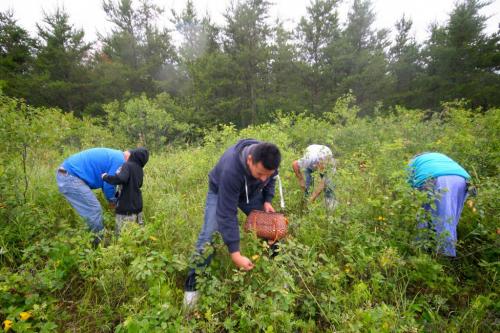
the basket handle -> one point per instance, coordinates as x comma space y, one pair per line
275, 230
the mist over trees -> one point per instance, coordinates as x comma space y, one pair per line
244, 70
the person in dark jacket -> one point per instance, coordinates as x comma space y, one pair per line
129, 197
244, 177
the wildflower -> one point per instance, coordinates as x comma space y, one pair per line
153, 238
7, 325
255, 257
470, 203
25, 315
381, 218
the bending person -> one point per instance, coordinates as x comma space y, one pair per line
243, 178
80, 173
446, 181
316, 158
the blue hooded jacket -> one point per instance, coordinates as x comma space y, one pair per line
228, 179
89, 165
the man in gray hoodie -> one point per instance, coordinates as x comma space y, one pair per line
244, 177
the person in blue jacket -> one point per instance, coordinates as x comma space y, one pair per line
244, 177
448, 182
80, 173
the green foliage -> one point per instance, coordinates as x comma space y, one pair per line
358, 269
242, 71
454, 66
16, 56
141, 121
136, 46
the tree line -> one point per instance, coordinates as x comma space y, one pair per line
244, 70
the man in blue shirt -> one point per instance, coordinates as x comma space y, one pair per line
447, 181
79, 174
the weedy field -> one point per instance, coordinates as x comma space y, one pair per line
359, 269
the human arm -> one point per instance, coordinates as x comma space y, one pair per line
227, 208
318, 190
121, 177
108, 186
298, 174
227, 203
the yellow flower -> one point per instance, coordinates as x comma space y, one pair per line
470, 203
153, 238
255, 257
25, 315
7, 325
381, 218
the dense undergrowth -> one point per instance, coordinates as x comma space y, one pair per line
359, 269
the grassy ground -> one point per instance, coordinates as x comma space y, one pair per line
356, 270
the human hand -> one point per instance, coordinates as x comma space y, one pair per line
302, 184
268, 208
103, 175
241, 261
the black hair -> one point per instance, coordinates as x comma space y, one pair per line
268, 154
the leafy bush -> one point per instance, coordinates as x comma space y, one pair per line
359, 269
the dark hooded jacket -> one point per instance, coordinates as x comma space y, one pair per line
232, 181
129, 177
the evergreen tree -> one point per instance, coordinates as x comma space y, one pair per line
61, 76
359, 59
286, 81
405, 65
137, 51
17, 49
246, 43
316, 34
461, 60
198, 39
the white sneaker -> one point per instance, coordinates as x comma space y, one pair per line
190, 299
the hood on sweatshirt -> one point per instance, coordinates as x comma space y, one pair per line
139, 156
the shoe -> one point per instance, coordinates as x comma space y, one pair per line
190, 299
96, 242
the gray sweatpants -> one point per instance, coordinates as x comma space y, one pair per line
121, 220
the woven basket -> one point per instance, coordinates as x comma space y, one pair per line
271, 226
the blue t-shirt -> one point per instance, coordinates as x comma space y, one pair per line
89, 165
432, 165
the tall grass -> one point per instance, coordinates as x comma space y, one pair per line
356, 270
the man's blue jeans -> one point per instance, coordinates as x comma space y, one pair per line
210, 226
83, 200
